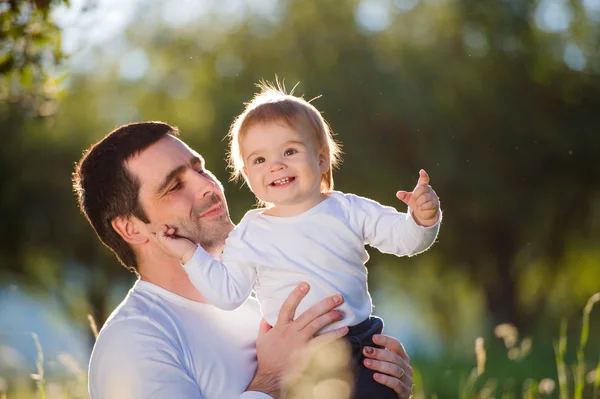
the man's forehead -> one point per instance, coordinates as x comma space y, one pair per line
156, 161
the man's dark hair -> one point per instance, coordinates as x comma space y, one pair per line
106, 190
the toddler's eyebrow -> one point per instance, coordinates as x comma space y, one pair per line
294, 142
251, 155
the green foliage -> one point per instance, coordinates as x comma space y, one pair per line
472, 91
30, 51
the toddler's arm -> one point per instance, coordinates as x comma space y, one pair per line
225, 286
400, 233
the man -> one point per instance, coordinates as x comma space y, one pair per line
165, 340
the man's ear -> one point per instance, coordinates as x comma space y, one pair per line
324, 162
131, 229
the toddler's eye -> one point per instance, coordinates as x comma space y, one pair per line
259, 160
290, 151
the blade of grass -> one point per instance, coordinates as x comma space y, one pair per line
596, 394
418, 390
560, 348
585, 330
39, 377
530, 389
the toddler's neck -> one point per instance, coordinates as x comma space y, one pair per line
296, 208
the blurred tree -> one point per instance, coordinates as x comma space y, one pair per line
30, 50
473, 92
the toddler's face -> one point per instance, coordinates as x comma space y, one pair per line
283, 166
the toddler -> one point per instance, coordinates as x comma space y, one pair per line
284, 150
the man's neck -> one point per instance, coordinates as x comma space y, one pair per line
167, 273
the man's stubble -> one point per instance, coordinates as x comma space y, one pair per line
210, 233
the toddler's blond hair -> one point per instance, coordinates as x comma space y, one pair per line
274, 104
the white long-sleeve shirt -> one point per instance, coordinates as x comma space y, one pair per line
324, 246
157, 344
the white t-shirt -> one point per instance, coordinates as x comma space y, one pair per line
324, 246
157, 344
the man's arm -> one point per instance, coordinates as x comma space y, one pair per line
132, 360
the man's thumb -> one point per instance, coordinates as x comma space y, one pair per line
264, 327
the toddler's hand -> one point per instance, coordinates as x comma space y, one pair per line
178, 247
423, 201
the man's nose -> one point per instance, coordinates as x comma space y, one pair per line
205, 185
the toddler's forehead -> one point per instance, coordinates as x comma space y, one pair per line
304, 130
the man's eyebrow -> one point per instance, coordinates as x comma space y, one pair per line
177, 171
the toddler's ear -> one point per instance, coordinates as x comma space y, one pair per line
324, 162
245, 172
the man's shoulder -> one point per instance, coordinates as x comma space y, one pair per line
136, 307
135, 315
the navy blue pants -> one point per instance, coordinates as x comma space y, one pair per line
365, 386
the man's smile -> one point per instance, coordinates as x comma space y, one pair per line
215, 210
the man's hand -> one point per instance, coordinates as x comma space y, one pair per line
178, 247
278, 346
392, 365
423, 201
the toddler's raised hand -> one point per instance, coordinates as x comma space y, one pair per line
178, 247
423, 201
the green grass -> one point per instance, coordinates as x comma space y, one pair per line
577, 380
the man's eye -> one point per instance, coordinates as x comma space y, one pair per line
201, 171
290, 151
259, 160
176, 187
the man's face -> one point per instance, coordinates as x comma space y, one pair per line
176, 190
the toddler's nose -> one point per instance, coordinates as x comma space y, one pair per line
277, 166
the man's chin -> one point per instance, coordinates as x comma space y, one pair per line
220, 221
215, 230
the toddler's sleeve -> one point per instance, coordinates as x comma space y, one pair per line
227, 284
388, 230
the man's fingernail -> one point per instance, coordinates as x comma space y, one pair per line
337, 299
369, 350
304, 287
